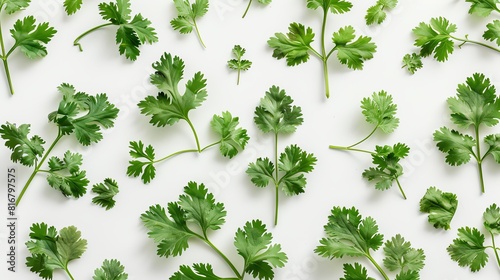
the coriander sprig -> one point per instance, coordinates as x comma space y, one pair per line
187, 16
169, 107
295, 46
380, 111
238, 63
377, 13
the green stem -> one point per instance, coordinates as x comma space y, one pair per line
400, 188
364, 139
195, 134
38, 166
186, 151
198, 34
475, 42
238, 82
77, 40
276, 179
495, 249
377, 266
248, 7
231, 265
349, 149
324, 57
5, 63
69, 273
479, 160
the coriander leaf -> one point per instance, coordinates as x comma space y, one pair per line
276, 114
110, 270
72, 6
232, 138
294, 46
492, 219
441, 207
30, 38
349, 235
435, 38
188, 14
294, 162
408, 275
170, 233
493, 32
383, 180
169, 106
12, 6
355, 272
483, 8
380, 111
65, 175
238, 63
105, 193
334, 6
50, 251
199, 205
412, 62
261, 172
253, 243
377, 14
457, 146
493, 142
83, 115
400, 256
24, 150
201, 272
136, 167
468, 249
352, 53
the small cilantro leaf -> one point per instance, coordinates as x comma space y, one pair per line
483, 8
12, 6
493, 32
261, 172
457, 146
400, 256
188, 14
294, 162
110, 270
408, 275
492, 219
294, 46
136, 167
72, 6
493, 142
238, 63
232, 138
412, 62
441, 207
199, 271
468, 249
65, 175
355, 272
106, 192
24, 150
353, 53
377, 13
334, 6
435, 38
276, 114
30, 38
380, 111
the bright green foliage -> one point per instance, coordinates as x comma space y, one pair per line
493, 32
169, 106
51, 250
483, 8
276, 114
412, 62
238, 63
265, 2
78, 113
72, 6
295, 46
132, 32
193, 216
106, 192
188, 14
12, 6
376, 14
408, 275
441, 207
350, 235
475, 104
110, 270
380, 111
491, 219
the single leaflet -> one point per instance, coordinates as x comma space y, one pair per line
295, 46
238, 63
441, 207
193, 216
187, 16
265, 2
475, 104
468, 249
348, 234
376, 14
79, 114
169, 107
72, 6
52, 250
437, 39
106, 192
380, 111
276, 115
132, 32
29, 37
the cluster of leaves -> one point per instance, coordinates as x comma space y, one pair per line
468, 249
265, 2
350, 235
276, 115
132, 32
238, 63
484, 8
441, 207
187, 14
52, 250
79, 114
192, 217
295, 46
475, 104
28, 36
376, 14
437, 39
169, 106
380, 111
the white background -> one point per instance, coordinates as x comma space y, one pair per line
336, 180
